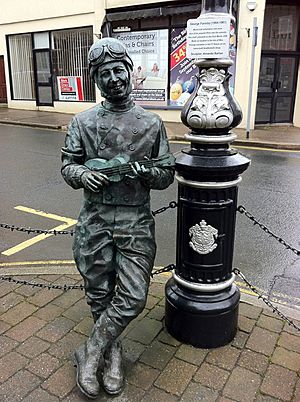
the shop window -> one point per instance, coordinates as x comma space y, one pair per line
21, 67
70, 66
281, 26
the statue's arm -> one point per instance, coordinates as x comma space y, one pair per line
160, 178
73, 156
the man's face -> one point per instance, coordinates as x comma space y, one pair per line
113, 80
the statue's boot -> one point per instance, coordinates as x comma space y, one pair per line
89, 354
113, 377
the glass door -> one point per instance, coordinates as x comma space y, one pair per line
43, 78
276, 89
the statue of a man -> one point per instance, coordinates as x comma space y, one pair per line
114, 245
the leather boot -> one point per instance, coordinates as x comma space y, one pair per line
113, 377
89, 354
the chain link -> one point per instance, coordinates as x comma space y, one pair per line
36, 231
167, 268
172, 204
243, 210
266, 300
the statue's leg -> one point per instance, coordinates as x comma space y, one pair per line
94, 256
134, 257
89, 354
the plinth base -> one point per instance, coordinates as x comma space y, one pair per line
202, 320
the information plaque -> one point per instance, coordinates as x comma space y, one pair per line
208, 38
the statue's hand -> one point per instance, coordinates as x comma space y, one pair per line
141, 171
93, 181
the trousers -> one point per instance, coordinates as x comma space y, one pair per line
114, 250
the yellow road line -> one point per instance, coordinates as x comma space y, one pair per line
46, 214
27, 243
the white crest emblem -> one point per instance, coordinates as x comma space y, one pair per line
203, 238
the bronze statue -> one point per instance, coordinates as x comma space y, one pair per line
116, 151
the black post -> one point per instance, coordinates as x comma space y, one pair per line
201, 297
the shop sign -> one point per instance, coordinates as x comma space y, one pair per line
208, 37
149, 52
70, 88
183, 70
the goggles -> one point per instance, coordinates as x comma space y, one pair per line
108, 49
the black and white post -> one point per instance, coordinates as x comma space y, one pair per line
201, 297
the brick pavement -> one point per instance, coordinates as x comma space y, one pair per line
40, 329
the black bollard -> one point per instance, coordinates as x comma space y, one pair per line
201, 297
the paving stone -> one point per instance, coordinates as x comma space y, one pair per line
175, 370
39, 395
158, 355
245, 324
17, 314
290, 329
76, 396
152, 301
142, 376
134, 323
270, 323
242, 385
8, 301
56, 329
130, 394
10, 364
290, 342
7, 344
297, 391
191, 355
28, 291
145, 331
7, 287
25, 329
49, 312
222, 399
240, 339
50, 277
44, 296
32, 347
67, 345
165, 337
3, 326
196, 392
262, 341
78, 311
157, 289
62, 381
19, 385
158, 395
43, 365
67, 299
279, 382
132, 350
211, 376
249, 311
85, 326
224, 357
265, 398
286, 358
253, 361
157, 313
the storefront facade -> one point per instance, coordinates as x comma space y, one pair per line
44, 49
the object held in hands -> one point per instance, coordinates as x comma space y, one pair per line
115, 169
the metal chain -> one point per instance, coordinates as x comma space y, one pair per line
266, 300
243, 210
168, 268
40, 285
37, 231
172, 204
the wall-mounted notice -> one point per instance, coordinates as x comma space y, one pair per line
70, 88
208, 38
